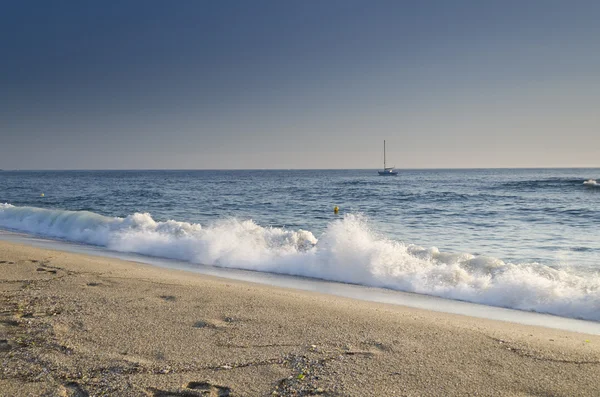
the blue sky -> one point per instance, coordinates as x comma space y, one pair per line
299, 84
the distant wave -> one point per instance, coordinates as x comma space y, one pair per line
542, 183
348, 251
591, 183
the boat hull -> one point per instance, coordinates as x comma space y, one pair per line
388, 173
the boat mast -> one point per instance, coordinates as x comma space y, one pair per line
384, 154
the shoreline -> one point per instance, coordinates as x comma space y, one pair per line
74, 323
346, 290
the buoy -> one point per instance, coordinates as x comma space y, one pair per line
42, 195
336, 209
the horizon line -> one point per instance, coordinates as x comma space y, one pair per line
297, 169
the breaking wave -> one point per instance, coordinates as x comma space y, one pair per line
348, 251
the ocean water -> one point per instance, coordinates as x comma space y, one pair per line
522, 239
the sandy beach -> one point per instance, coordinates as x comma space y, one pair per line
76, 325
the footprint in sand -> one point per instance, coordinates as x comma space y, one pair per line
76, 390
4, 345
202, 324
219, 323
195, 389
214, 390
43, 269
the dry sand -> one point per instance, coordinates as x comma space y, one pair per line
80, 325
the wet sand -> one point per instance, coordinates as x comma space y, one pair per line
76, 325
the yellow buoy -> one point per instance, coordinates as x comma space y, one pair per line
42, 195
336, 209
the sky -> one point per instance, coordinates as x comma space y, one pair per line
299, 84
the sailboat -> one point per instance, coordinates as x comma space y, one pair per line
387, 171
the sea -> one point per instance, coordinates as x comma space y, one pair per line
526, 239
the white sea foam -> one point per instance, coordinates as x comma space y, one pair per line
591, 183
348, 251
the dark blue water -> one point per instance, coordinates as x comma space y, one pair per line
517, 215
525, 239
